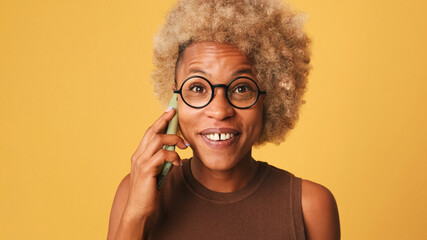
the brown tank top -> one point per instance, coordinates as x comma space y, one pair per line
268, 207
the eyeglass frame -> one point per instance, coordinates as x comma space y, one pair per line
225, 86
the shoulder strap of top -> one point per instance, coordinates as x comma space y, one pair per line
296, 197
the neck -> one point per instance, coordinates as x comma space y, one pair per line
229, 180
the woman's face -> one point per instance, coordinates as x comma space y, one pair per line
240, 128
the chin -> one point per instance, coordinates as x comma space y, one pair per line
218, 162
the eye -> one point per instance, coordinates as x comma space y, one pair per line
242, 88
197, 88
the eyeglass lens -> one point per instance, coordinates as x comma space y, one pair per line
197, 92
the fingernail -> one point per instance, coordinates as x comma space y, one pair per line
187, 144
169, 108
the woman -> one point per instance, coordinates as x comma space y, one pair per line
240, 68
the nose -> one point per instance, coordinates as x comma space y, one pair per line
219, 108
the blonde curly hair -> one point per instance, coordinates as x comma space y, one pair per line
266, 31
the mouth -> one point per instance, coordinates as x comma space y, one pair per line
219, 137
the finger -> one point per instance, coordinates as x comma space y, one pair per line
157, 142
150, 135
159, 126
173, 140
186, 143
169, 156
157, 160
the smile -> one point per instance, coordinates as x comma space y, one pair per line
219, 136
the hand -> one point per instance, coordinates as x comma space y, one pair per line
146, 161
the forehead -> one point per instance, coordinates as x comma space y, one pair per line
213, 60
206, 49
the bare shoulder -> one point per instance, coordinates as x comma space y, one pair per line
315, 195
123, 188
320, 212
119, 204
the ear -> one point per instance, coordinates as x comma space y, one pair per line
174, 85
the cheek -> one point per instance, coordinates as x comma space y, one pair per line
186, 118
256, 121
182, 116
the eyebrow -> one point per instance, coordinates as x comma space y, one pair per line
243, 71
195, 70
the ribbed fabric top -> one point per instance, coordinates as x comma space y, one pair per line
268, 207
217, 197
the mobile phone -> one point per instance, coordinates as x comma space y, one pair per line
172, 128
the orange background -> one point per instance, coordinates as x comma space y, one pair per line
75, 99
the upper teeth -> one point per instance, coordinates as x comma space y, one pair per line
219, 136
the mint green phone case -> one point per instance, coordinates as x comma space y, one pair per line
172, 128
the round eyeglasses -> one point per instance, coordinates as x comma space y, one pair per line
198, 92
